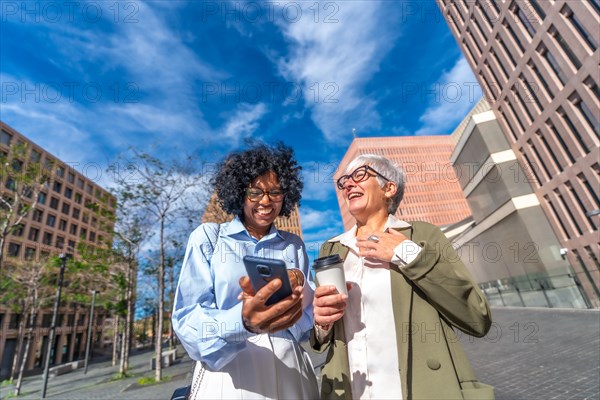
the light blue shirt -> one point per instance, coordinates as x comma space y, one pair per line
207, 316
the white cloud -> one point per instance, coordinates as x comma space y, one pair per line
457, 91
334, 61
313, 219
243, 122
154, 94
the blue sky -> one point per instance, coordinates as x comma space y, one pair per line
86, 80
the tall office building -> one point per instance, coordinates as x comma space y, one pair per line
432, 192
72, 209
214, 213
537, 63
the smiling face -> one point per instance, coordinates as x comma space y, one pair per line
260, 214
367, 197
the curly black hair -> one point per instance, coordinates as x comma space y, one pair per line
237, 171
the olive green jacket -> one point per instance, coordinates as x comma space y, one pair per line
430, 295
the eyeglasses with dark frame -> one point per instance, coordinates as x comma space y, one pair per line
360, 174
256, 194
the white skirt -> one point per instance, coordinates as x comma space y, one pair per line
270, 367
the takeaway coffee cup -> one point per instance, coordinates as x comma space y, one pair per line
330, 271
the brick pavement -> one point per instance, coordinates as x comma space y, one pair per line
543, 354
529, 354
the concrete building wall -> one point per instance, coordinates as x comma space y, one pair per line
510, 246
537, 63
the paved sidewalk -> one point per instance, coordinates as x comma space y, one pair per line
529, 354
539, 354
98, 383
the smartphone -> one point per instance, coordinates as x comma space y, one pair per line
262, 270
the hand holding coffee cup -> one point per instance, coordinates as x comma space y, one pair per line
329, 270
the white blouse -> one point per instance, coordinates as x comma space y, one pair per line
369, 321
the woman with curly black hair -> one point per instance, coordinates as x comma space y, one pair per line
246, 349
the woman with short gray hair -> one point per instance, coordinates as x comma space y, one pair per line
407, 290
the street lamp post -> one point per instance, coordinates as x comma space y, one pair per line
63, 258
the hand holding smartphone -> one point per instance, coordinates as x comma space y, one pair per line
263, 270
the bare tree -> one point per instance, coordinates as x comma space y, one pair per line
31, 279
23, 179
157, 190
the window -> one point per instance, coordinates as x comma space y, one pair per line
94, 221
560, 139
47, 238
42, 198
554, 65
83, 233
60, 242
521, 102
35, 156
549, 150
576, 23
92, 236
539, 10
568, 211
54, 203
48, 162
57, 187
538, 160
89, 188
5, 137
71, 245
596, 5
71, 177
78, 198
589, 82
29, 253
588, 115
540, 78
514, 36
51, 220
18, 230
62, 225
565, 46
573, 130
14, 249
85, 218
80, 183
60, 171
37, 215
76, 212
506, 51
73, 229
68, 192
525, 19
65, 208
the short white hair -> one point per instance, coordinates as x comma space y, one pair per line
385, 167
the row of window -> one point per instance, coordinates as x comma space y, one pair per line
567, 134
15, 319
48, 237
470, 42
565, 202
61, 173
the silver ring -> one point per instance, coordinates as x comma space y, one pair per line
373, 238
